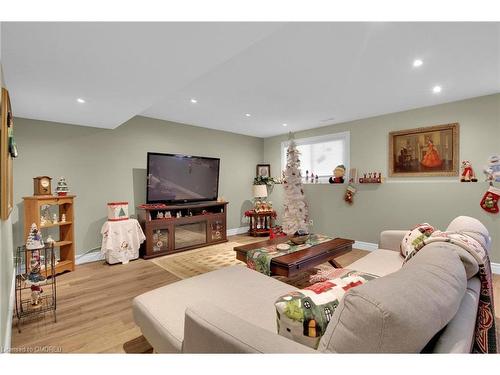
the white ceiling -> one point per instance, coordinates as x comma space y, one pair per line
303, 74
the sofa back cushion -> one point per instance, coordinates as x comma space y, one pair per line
400, 312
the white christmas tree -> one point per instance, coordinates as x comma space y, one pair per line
295, 215
34, 240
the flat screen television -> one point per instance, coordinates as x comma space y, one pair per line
181, 178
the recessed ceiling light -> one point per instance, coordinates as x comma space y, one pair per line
80, 100
248, 115
417, 63
194, 101
437, 89
285, 124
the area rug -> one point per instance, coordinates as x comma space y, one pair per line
196, 262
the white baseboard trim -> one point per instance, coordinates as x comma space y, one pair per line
368, 246
6, 344
93, 256
235, 231
495, 268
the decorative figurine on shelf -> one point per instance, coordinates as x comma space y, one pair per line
492, 171
468, 174
316, 179
62, 187
167, 215
312, 177
50, 239
34, 277
353, 173
307, 176
54, 219
45, 215
63, 218
338, 175
372, 178
160, 215
34, 241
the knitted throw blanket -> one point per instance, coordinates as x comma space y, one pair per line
485, 340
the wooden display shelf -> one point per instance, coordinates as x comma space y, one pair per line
66, 242
56, 224
60, 267
62, 243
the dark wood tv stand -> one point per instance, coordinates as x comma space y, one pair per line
200, 224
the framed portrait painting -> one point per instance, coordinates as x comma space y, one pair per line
429, 151
263, 170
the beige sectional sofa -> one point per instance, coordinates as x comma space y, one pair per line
429, 305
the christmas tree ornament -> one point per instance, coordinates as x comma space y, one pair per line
63, 218
34, 240
34, 278
295, 215
468, 174
62, 187
489, 203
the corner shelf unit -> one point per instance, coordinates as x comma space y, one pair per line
200, 224
65, 243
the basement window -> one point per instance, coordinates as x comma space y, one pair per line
320, 155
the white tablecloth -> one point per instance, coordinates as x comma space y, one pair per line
121, 240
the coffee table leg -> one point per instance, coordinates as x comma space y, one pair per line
334, 263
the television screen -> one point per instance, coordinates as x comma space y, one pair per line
181, 178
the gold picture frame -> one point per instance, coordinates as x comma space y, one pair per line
6, 162
424, 152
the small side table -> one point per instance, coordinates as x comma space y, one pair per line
260, 222
121, 240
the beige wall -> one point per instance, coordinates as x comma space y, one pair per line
403, 202
108, 165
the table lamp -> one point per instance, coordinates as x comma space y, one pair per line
259, 191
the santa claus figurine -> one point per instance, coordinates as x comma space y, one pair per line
467, 172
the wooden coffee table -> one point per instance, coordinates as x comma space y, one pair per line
294, 263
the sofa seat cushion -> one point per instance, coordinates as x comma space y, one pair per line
379, 262
403, 311
236, 289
